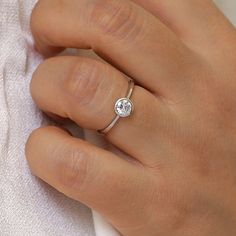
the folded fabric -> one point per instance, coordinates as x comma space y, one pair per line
27, 205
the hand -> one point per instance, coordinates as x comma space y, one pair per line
180, 177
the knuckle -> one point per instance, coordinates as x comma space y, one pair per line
84, 82
38, 78
117, 19
74, 169
37, 21
43, 19
37, 73
35, 138
32, 140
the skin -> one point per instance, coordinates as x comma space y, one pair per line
180, 172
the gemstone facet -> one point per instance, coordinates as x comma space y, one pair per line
124, 107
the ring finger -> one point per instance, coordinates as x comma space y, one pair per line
85, 90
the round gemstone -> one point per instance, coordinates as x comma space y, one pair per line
123, 107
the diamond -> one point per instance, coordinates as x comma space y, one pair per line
124, 107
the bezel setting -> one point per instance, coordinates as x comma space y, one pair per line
124, 107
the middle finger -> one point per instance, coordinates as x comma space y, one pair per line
123, 33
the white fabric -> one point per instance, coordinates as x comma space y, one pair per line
27, 205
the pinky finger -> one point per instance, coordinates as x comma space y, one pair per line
86, 173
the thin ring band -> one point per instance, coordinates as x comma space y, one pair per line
114, 121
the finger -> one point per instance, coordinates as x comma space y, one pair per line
86, 173
85, 90
120, 31
199, 23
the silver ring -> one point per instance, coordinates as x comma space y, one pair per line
123, 108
